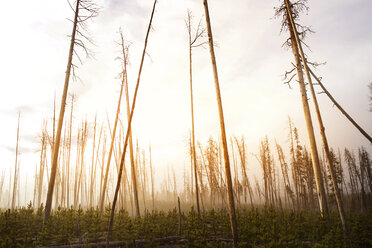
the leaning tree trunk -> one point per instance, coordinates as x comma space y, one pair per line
361, 130
102, 199
230, 191
340, 204
111, 221
48, 204
309, 125
132, 163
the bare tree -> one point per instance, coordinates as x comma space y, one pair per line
288, 10
230, 191
102, 199
16, 167
152, 181
193, 38
125, 60
320, 121
111, 221
84, 11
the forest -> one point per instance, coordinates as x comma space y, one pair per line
96, 185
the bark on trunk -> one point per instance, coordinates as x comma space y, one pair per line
16, 169
102, 200
193, 152
48, 204
111, 222
309, 125
223, 132
361, 130
340, 205
132, 163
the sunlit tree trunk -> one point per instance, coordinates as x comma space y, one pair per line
102, 199
361, 130
131, 156
223, 132
42, 164
152, 181
321, 126
93, 167
111, 221
48, 204
16, 170
192, 41
310, 130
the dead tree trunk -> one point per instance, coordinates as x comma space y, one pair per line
223, 132
15, 181
42, 164
152, 181
48, 204
321, 127
92, 10
361, 130
132, 164
102, 200
309, 125
192, 43
111, 222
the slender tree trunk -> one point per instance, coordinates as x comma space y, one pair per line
340, 204
152, 181
132, 163
92, 175
144, 177
223, 133
69, 153
193, 153
42, 163
48, 204
322, 132
15, 181
310, 130
102, 200
111, 221
361, 130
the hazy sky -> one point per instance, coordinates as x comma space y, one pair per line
250, 60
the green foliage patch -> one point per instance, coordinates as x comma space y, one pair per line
265, 227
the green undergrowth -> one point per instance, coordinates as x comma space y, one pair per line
264, 227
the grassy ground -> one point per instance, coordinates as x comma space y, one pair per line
266, 227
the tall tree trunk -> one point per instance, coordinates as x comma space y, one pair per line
361, 130
111, 221
152, 181
48, 204
132, 163
69, 153
309, 125
322, 130
42, 163
223, 133
102, 200
15, 181
340, 204
93, 171
193, 152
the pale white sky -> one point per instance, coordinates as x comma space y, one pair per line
250, 60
